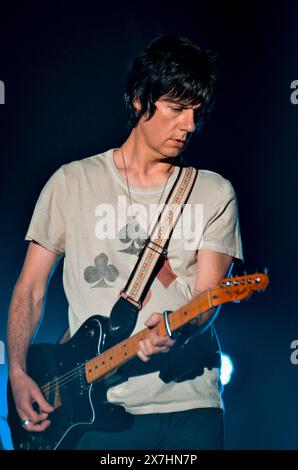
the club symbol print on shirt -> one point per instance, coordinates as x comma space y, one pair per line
134, 234
101, 271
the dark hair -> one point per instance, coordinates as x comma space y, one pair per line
172, 66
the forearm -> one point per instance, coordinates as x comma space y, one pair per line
24, 315
212, 267
205, 319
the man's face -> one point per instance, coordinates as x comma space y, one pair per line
169, 130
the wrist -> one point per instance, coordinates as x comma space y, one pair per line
16, 371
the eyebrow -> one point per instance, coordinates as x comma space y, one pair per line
177, 103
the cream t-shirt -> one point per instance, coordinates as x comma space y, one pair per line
83, 214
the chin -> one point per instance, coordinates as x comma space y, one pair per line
170, 156
171, 152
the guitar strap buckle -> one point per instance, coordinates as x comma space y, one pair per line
155, 247
137, 304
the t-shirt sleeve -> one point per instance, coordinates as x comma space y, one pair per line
222, 231
47, 226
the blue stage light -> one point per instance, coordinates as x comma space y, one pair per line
227, 369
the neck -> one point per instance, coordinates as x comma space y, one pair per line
142, 162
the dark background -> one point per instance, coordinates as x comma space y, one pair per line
64, 70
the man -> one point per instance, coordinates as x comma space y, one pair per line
169, 93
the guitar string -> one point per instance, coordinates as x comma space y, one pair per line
70, 375
64, 379
74, 373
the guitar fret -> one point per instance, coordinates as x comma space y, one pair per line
114, 357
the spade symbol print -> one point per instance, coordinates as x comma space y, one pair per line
101, 271
133, 234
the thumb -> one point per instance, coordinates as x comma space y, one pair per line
42, 403
153, 320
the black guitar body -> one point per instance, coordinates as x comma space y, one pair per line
59, 370
83, 406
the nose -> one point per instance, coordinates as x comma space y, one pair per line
188, 120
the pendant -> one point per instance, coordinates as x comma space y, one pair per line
134, 235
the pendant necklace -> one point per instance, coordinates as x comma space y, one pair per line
134, 227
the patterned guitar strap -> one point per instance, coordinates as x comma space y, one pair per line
124, 313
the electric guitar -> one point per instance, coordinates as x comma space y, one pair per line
74, 377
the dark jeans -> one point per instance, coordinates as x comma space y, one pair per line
196, 429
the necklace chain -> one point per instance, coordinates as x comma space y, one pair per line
129, 193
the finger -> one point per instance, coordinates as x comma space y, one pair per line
162, 341
38, 427
148, 349
145, 347
27, 412
42, 403
142, 356
41, 417
37, 419
155, 345
143, 351
160, 349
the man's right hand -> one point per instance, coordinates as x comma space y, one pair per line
26, 392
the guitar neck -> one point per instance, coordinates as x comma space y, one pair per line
127, 349
228, 290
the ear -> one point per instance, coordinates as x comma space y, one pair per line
137, 104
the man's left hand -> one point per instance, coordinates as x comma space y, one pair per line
154, 344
